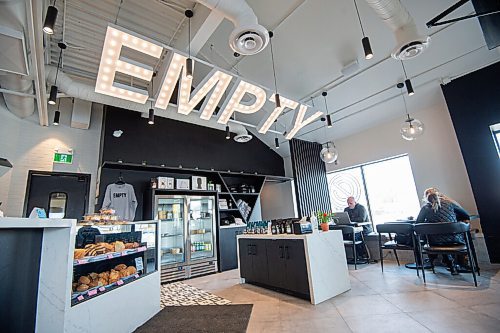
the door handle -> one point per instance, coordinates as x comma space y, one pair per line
287, 254
249, 250
281, 252
254, 250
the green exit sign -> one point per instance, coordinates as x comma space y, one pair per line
63, 158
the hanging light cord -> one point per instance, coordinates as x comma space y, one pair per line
189, 33
152, 92
58, 64
118, 13
404, 69
404, 101
326, 106
272, 59
359, 18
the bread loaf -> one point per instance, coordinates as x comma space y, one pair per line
119, 246
120, 267
79, 253
82, 287
84, 280
131, 270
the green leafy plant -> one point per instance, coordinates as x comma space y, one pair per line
323, 217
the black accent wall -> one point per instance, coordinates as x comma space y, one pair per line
309, 171
474, 104
175, 143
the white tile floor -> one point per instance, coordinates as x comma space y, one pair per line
393, 301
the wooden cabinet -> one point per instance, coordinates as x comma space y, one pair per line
277, 263
253, 260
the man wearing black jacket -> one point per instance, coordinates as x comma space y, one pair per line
358, 213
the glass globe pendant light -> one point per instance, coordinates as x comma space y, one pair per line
412, 129
329, 154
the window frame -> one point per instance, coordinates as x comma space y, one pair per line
361, 167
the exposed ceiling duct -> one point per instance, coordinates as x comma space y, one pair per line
86, 92
248, 36
13, 59
409, 43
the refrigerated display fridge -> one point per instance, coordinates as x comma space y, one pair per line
188, 235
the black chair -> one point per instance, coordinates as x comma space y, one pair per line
445, 228
350, 232
402, 229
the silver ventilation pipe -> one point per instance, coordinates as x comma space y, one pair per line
86, 92
248, 36
409, 44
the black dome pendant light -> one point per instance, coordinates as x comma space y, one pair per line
276, 140
50, 19
276, 94
228, 134
53, 89
365, 41
189, 62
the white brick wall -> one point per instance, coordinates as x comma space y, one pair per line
29, 146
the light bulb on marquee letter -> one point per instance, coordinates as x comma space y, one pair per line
299, 121
112, 62
233, 103
266, 123
186, 103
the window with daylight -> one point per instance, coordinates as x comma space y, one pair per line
386, 188
495, 131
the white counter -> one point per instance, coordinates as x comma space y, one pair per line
326, 262
56, 260
120, 310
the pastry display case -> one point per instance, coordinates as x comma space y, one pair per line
110, 255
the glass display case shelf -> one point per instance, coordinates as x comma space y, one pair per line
78, 297
107, 256
168, 235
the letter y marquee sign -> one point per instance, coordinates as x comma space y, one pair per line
213, 86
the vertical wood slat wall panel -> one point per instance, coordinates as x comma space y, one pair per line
309, 171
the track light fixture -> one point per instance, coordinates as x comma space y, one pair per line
409, 87
53, 89
189, 61
328, 117
50, 19
57, 114
228, 134
276, 140
151, 116
276, 95
367, 48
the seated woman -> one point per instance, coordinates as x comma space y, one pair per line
440, 208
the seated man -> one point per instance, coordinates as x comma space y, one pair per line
358, 213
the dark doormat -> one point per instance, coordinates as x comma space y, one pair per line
199, 318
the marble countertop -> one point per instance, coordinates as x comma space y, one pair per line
15, 222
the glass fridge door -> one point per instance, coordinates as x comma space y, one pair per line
201, 228
171, 212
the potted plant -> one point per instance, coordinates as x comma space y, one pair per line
323, 219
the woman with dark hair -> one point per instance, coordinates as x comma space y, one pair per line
439, 208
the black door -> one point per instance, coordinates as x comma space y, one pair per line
63, 195
276, 255
260, 264
246, 257
296, 266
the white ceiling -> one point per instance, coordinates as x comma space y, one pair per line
313, 40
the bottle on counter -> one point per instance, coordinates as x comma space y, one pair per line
274, 231
314, 222
289, 227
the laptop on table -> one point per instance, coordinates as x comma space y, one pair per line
341, 218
